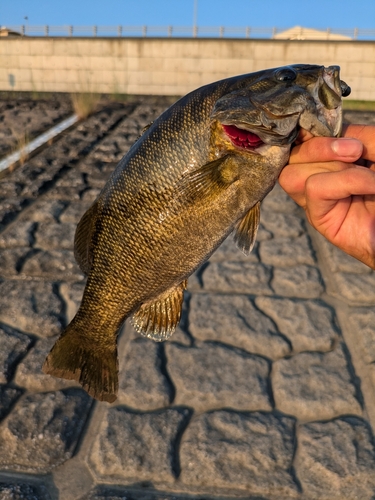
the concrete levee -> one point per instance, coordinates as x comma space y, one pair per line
172, 66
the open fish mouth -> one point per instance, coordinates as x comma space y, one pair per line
242, 138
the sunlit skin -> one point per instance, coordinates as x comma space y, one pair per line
334, 181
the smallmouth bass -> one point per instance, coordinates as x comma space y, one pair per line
198, 173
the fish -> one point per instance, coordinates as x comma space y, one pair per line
197, 174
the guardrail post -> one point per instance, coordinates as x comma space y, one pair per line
46, 30
221, 31
119, 30
70, 30
195, 31
170, 31
274, 31
144, 31
23, 30
95, 31
247, 32
355, 35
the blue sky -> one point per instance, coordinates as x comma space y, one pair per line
256, 13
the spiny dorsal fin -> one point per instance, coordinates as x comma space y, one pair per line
83, 239
213, 176
158, 319
146, 127
247, 229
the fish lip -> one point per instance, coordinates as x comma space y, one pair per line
331, 76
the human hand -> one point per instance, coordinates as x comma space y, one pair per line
334, 181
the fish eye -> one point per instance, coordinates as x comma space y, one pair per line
345, 89
286, 75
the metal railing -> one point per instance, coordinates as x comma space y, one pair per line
185, 32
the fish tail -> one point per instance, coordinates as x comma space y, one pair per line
94, 367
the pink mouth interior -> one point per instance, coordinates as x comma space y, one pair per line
241, 137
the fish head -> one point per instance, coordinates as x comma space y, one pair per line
269, 107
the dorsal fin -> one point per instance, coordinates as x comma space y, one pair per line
247, 229
159, 318
83, 239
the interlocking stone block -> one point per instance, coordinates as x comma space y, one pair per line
11, 260
29, 371
234, 320
42, 430
72, 295
45, 211
363, 322
339, 261
107, 493
228, 252
287, 251
139, 446
34, 308
53, 264
315, 386
55, 236
9, 208
282, 225
336, 460
8, 396
14, 346
142, 384
309, 325
22, 491
237, 277
74, 211
299, 281
279, 202
18, 235
211, 376
239, 451
357, 288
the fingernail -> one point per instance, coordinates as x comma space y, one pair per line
347, 147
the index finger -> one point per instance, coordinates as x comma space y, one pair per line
322, 149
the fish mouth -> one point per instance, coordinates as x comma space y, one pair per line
242, 138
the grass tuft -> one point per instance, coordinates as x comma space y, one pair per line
22, 140
85, 103
353, 105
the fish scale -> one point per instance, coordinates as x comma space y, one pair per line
182, 188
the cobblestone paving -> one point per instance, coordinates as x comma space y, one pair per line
265, 392
24, 117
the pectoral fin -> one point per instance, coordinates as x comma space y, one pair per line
83, 239
247, 229
212, 178
159, 318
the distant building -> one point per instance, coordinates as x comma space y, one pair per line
301, 33
4, 31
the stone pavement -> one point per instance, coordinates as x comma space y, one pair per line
265, 392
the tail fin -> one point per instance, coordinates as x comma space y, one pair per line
96, 371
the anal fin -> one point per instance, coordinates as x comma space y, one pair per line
247, 229
159, 318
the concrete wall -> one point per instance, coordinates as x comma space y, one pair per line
168, 66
